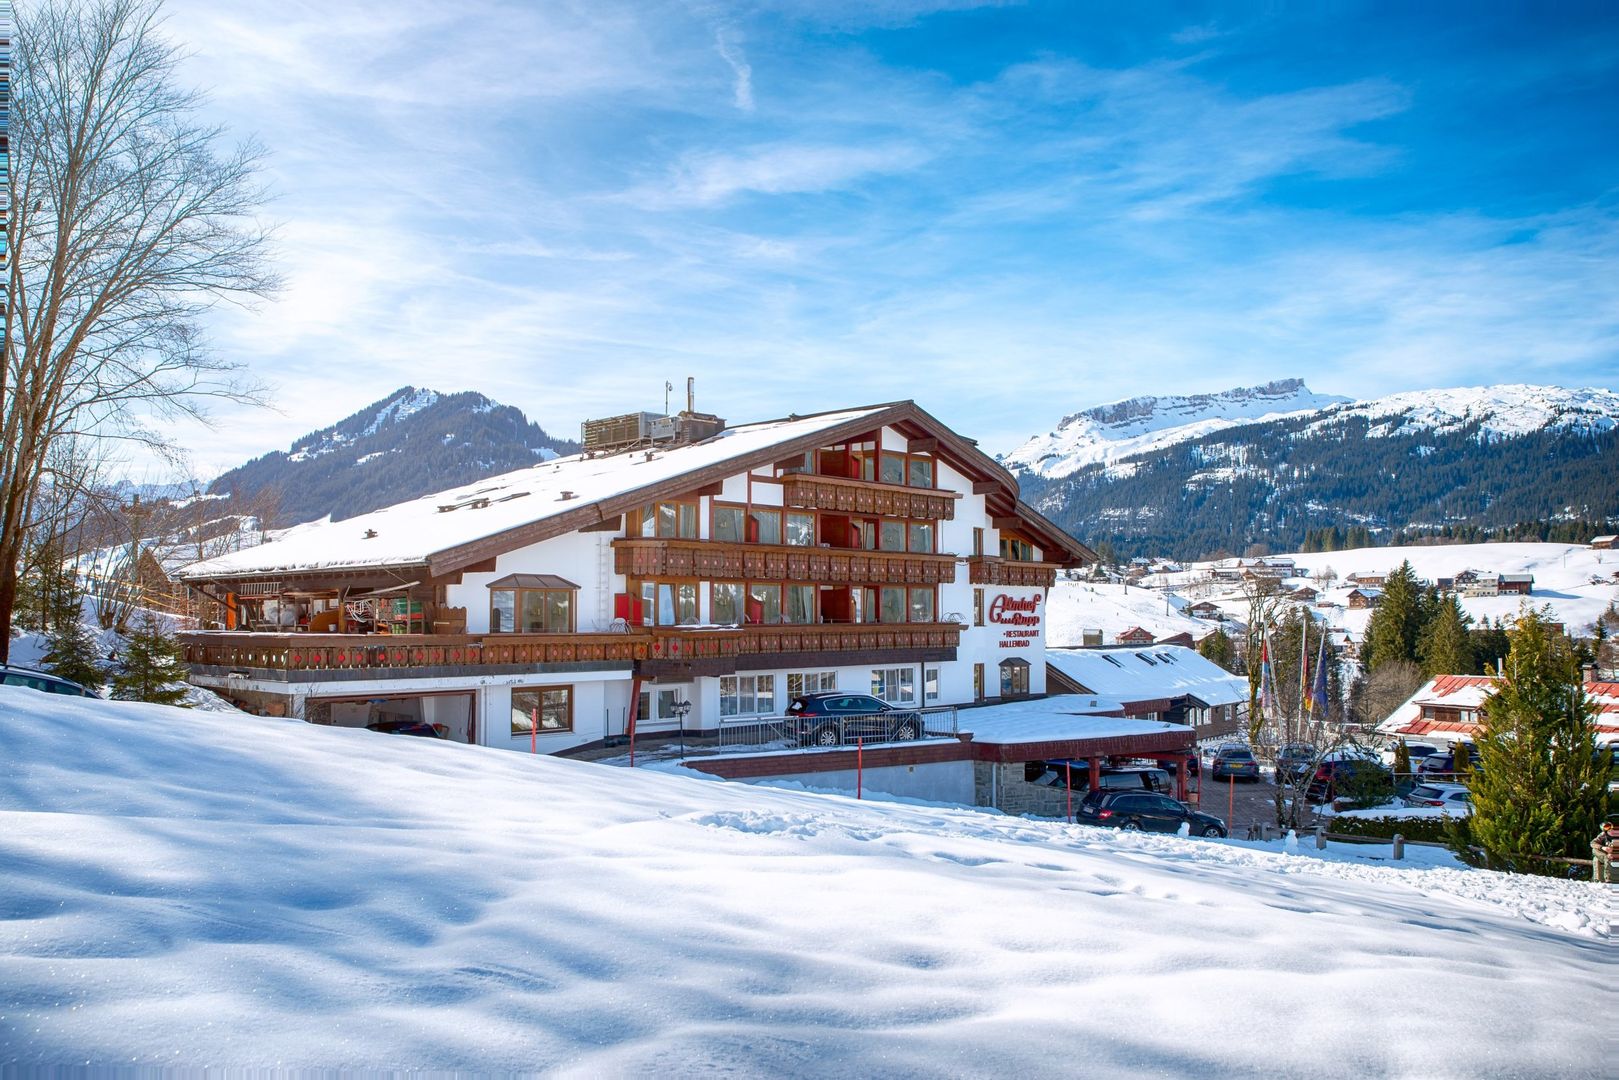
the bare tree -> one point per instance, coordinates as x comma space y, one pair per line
1265, 598
127, 224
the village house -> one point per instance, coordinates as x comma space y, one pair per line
687, 578
1365, 579
1448, 708
1519, 584
1605, 543
1364, 598
1170, 683
1205, 609
1134, 636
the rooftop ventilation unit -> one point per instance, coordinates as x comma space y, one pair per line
615, 433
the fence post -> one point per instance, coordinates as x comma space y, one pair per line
859, 766
1399, 847
1321, 838
1070, 782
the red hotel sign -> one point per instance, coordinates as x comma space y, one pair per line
1021, 616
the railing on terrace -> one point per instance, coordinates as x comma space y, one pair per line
795, 732
845, 495
716, 560
323, 652
994, 570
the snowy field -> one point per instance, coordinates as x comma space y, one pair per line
205, 890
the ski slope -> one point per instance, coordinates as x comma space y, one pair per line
180, 889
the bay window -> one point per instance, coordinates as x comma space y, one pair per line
531, 604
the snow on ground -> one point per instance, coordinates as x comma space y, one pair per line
188, 889
1076, 606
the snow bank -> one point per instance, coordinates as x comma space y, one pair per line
196, 889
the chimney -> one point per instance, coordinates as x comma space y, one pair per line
691, 394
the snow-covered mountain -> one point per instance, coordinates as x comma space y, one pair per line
1109, 432
412, 442
1188, 477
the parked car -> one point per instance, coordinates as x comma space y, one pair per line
1442, 763
1415, 751
1293, 762
1349, 776
1453, 797
1234, 760
835, 718
1056, 773
43, 681
1145, 811
409, 727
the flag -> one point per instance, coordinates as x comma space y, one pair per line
1267, 688
1318, 692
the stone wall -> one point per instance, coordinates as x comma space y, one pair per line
1001, 785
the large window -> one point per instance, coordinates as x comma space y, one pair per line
764, 526
801, 530
897, 686
893, 605
1014, 678
921, 536
669, 603
912, 470
1015, 547
542, 709
800, 604
730, 524
810, 682
920, 473
892, 536
726, 607
531, 604
921, 605
764, 604
747, 695
671, 520
930, 685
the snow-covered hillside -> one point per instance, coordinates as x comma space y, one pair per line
1109, 432
1501, 411
1576, 581
1110, 609
185, 890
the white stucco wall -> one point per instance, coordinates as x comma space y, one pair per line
944, 782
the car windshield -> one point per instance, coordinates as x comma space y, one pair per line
1237, 755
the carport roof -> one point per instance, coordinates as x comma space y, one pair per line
1068, 725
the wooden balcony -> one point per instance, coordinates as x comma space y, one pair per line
700, 645
993, 570
379, 652
714, 560
867, 497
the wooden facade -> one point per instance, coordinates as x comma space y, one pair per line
713, 560
993, 570
813, 492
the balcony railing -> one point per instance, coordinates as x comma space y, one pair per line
329, 652
716, 560
847, 496
793, 732
708, 643
291, 652
992, 570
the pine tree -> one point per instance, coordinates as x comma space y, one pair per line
1217, 648
1397, 621
73, 652
1402, 759
1541, 788
153, 669
1444, 647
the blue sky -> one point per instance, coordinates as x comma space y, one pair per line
1007, 212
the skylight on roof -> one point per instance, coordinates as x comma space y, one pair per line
1112, 661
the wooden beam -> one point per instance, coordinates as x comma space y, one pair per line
607, 524
923, 446
1006, 522
985, 487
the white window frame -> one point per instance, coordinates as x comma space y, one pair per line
747, 695
810, 682
900, 682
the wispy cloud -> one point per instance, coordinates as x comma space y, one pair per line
562, 205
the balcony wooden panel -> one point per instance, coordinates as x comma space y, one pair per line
810, 492
714, 560
992, 570
706, 643
381, 652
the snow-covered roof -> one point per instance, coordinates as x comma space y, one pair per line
1468, 693
1149, 673
410, 532
1057, 719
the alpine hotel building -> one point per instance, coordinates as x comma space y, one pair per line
676, 565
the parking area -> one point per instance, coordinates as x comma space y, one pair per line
1241, 803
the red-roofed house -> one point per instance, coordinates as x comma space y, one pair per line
1135, 636
1448, 708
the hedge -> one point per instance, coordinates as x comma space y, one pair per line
1436, 829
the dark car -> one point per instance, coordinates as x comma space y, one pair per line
1442, 764
1356, 777
1293, 762
1056, 773
834, 718
410, 727
42, 680
1234, 761
1146, 811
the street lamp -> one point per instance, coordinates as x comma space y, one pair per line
681, 709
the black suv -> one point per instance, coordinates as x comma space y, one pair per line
835, 718
1144, 811
42, 680
1293, 762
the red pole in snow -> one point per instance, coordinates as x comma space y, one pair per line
859, 766
1231, 800
534, 732
1070, 782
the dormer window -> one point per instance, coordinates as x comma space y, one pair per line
532, 604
